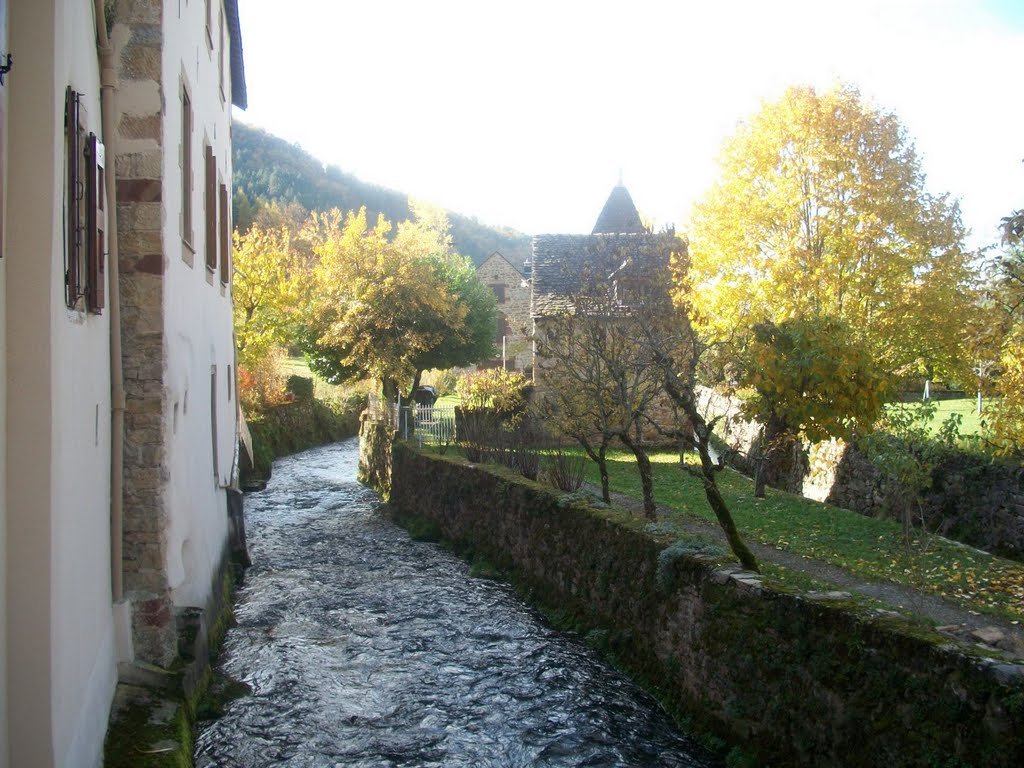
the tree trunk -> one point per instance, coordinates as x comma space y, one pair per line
415, 386
760, 478
602, 467
643, 465
683, 397
598, 457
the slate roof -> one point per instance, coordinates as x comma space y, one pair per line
619, 215
563, 265
239, 96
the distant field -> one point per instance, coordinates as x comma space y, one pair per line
297, 366
967, 408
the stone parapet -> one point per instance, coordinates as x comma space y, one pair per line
800, 679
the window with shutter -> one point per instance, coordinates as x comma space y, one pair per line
85, 215
225, 238
211, 210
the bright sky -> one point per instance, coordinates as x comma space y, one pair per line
523, 113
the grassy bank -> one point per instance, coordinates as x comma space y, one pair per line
868, 547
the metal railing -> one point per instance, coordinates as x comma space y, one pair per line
430, 424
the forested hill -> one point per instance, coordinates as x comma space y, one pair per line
266, 167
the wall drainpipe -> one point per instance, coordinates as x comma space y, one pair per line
108, 89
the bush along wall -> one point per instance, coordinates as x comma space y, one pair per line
796, 679
291, 427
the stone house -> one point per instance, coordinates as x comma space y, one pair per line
512, 293
615, 259
119, 423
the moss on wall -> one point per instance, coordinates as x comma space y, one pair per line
797, 680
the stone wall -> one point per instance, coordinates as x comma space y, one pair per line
972, 498
140, 220
800, 679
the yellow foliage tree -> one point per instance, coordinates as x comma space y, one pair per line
821, 210
389, 307
808, 378
268, 281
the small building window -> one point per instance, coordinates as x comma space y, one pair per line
210, 197
186, 167
213, 420
209, 24
220, 56
225, 238
499, 292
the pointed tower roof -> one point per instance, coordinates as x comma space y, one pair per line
619, 215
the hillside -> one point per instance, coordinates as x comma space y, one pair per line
266, 167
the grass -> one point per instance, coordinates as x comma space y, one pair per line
870, 548
297, 366
967, 407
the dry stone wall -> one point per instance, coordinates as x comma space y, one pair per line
800, 679
972, 498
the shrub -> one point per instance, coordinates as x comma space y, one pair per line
261, 384
565, 470
496, 389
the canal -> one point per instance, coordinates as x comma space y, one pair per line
365, 648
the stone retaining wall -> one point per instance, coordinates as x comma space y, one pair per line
799, 679
972, 498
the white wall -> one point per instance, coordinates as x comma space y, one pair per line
61, 656
4, 762
197, 312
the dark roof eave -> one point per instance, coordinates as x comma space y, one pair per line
239, 97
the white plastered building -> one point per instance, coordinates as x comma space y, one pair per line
114, 519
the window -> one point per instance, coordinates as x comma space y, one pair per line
85, 225
211, 210
186, 167
504, 329
220, 56
213, 419
499, 292
225, 238
209, 25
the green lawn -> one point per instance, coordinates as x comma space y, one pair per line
967, 408
870, 548
297, 366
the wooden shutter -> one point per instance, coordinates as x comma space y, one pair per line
95, 226
225, 238
211, 210
72, 122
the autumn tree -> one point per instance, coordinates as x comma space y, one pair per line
821, 210
1007, 419
265, 289
809, 378
387, 307
678, 349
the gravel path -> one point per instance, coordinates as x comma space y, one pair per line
950, 618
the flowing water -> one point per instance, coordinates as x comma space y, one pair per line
365, 648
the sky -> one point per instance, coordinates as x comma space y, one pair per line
524, 114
